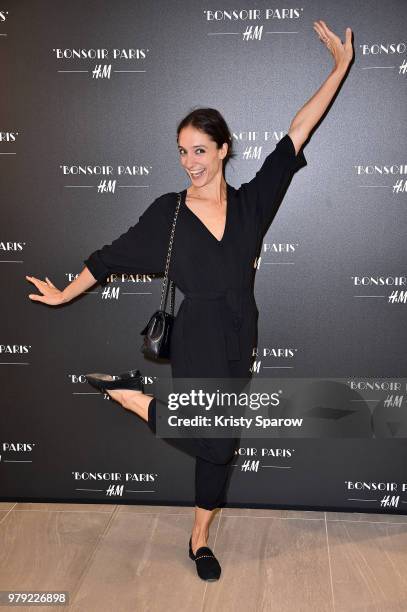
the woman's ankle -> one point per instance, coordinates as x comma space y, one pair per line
135, 401
199, 532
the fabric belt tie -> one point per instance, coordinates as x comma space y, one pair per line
231, 301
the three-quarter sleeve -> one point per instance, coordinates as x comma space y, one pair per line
142, 249
265, 189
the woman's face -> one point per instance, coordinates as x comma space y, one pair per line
199, 155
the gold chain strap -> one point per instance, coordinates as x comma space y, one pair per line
165, 282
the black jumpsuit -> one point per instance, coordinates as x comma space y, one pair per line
215, 329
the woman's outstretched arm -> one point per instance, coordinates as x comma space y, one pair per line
142, 249
309, 114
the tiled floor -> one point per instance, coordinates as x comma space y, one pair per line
134, 558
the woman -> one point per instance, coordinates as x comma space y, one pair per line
218, 234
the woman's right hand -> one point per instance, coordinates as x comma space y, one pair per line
50, 294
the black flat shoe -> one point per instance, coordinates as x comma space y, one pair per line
127, 380
129, 374
207, 565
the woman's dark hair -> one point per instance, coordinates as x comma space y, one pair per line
210, 121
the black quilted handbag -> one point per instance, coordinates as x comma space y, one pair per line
157, 332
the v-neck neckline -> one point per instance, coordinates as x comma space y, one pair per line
228, 199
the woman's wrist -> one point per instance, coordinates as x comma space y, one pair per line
341, 69
82, 282
65, 295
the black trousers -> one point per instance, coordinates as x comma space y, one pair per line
214, 457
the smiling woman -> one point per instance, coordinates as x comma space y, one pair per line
205, 146
217, 238
218, 235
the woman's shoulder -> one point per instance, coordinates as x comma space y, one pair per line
169, 198
163, 205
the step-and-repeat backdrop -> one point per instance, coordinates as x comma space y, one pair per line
91, 96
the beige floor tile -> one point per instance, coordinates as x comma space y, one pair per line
271, 565
134, 557
47, 550
271, 513
3, 514
142, 564
366, 516
155, 509
369, 566
57, 506
7, 505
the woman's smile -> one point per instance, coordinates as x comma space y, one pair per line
198, 173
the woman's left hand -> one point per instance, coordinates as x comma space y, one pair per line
342, 53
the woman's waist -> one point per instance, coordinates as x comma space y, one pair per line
245, 293
234, 302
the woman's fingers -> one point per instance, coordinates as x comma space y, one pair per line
37, 282
35, 297
32, 279
49, 282
324, 33
340, 52
327, 41
328, 33
348, 39
51, 295
318, 30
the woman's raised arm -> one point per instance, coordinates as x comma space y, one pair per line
309, 114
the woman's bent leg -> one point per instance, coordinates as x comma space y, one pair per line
213, 464
214, 450
136, 401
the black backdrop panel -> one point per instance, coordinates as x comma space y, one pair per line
92, 93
